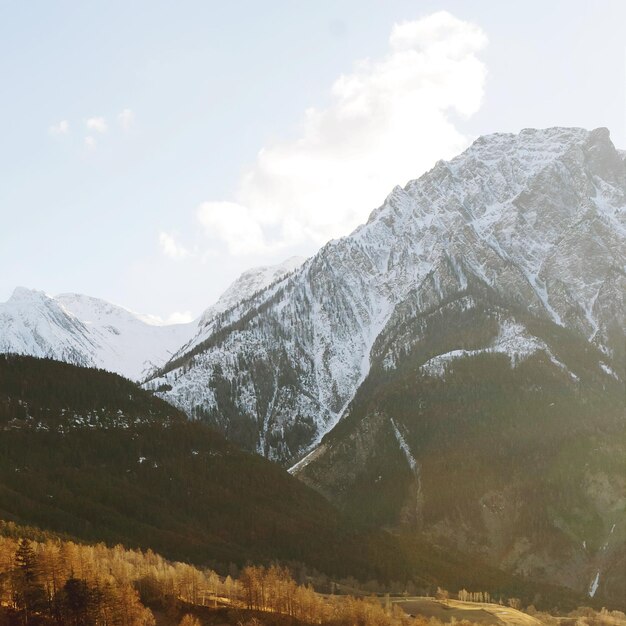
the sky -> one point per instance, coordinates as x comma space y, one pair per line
151, 151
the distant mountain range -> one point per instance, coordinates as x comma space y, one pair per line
454, 369
91, 332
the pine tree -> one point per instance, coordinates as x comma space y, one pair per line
28, 594
25, 561
77, 603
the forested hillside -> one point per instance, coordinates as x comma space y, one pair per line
88, 453
46, 580
103, 460
516, 458
44, 392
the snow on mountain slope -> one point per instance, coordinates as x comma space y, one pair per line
87, 331
33, 323
537, 218
248, 284
92, 332
130, 344
513, 340
237, 294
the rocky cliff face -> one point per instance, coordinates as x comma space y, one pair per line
536, 220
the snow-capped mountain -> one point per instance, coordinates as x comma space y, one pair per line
537, 219
94, 333
238, 293
87, 331
455, 367
33, 323
248, 284
132, 344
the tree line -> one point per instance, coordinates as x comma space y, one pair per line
59, 582
48, 581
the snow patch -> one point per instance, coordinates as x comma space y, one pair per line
513, 340
608, 370
595, 583
404, 446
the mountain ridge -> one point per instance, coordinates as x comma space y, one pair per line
90, 331
511, 211
86, 331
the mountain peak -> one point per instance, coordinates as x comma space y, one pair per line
86, 331
534, 219
24, 294
530, 145
248, 283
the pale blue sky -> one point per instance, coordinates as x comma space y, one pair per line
209, 85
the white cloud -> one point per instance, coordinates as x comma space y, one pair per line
62, 128
171, 248
90, 143
234, 224
126, 119
98, 124
388, 121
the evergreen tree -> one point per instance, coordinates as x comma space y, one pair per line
77, 603
25, 561
28, 594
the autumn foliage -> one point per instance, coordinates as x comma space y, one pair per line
62, 582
